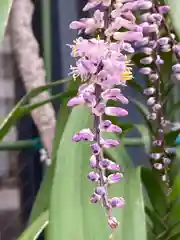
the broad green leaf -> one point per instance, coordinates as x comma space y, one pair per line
16, 113
174, 237
71, 215
155, 191
5, 7
173, 109
129, 141
61, 96
135, 85
132, 216
35, 229
144, 112
159, 227
168, 233
175, 193
175, 13
170, 137
159, 206
145, 134
43, 196
175, 171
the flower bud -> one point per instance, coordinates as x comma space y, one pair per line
151, 101
149, 91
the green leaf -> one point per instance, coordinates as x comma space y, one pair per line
175, 13
174, 174
16, 113
144, 112
170, 137
155, 191
71, 215
129, 141
132, 216
135, 85
145, 134
61, 96
174, 237
159, 226
175, 199
35, 229
168, 233
43, 196
4, 15
173, 109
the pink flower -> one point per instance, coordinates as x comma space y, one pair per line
75, 101
94, 3
116, 111
113, 223
114, 178
128, 36
114, 94
109, 143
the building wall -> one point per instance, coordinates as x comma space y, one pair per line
9, 193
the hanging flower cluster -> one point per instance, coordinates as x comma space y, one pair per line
152, 45
103, 67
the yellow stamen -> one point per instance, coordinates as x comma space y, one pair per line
74, 77
98, 37
74, 48
127, 75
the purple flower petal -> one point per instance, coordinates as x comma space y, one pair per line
112, 222
93, 176
113, 166
176, 68
83, 135
109, 127
95, 148
117, 202
107, 164
114, 128
114, 94
158, 166
116, 111
105, 124
163, 9
77, 25
114, 178
75, 101
128, 36
99, 109
100, 191
109, 143
95, 198
104, 163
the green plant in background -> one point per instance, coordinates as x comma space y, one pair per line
145, 204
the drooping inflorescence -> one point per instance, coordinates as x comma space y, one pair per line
157, 39
102, 65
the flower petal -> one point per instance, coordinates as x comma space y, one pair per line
75, 101
114, 178
116, 111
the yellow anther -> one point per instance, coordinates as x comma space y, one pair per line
74, 48
127, 75
98, 37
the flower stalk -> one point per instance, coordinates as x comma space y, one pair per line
102, 65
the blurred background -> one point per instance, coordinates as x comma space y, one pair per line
21, 171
